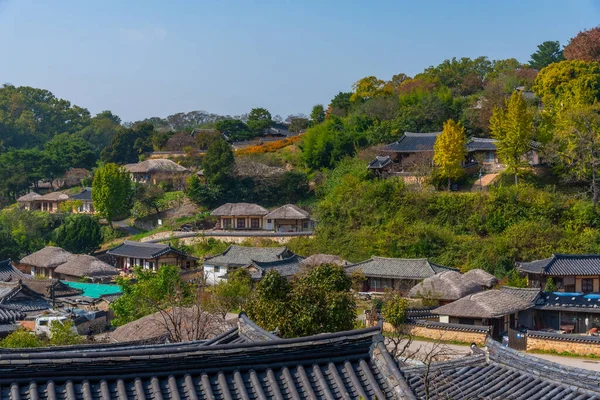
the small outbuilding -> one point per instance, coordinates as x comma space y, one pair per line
86, 267
44, 262
240, 216
289, 218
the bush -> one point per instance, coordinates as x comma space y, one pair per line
21, 338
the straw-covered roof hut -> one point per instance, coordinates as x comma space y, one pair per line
445, 286
86, 266
488, 304
481, 277
48, 257
320, 259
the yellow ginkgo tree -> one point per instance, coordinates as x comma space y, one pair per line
450, 150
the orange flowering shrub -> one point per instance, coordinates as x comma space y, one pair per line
269, 147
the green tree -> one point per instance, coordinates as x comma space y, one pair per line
234, 129
19, 339
235, 292
340, 105
111, 191
512, 127
259, 120
450, 150
298, 124
317, 115
394, 309
368, 88
66, 151
568, 83
575, 147
317, 301
62, 333
201, 193
219, 163
150, 196
550, 285
547, 53
148, 292
128, 144
79, 234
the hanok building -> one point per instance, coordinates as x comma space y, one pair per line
84, 267
44, 262
484, 151
85, 205
494, 308
247, 362
49, 202
9, 273
149, 256
155, 171
409, 145
399, 274
287, 267
448, 286
240, 216
217, 267
381, 165
289, 218
570, 272
17, 296
27, 202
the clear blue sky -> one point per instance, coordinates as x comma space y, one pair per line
142, 58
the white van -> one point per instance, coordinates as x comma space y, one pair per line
42, 324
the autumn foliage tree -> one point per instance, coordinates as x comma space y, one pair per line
585, 46
450, 150
512, 127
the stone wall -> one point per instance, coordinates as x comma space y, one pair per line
443, 332
575, 344
192, 238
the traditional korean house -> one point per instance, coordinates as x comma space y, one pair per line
399, 274
247, 362
448, 286
81, 267
570, 272
49, 202
149, 256
154, 171
287, 267
289, 218
18, 297
216, 267
240, 216
410, 144
85, 205
494, 308
381, 165
44, 262
9, 273
568, 312
484, 150
499, 372
27, 202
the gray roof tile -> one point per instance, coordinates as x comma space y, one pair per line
380, 162
242, 256
142, 250
564, 264
286, 267
481, 144
413, 142
398, 268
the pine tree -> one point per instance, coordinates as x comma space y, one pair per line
512, 127
450, 150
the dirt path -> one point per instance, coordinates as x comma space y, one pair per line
484, 182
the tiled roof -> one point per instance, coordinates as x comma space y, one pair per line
481, 144
9, 315
589, 303
84, 195
413, 142
239, 209
564, 264
286, 267
487, 304
507, 374
349, 365
531, 295
10, 273
380, 162
593, 340
242, 256
398, 268
43, 287
450, 327
142, 250
288, 211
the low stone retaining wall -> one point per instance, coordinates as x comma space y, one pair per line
443, 331
229, 237
554, 342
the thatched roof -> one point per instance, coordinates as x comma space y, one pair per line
88, 266
28, 197
320, 259
450, 285
289, 211
54, 196
487, 304
239, 209
154, 166
481, 277
157, 326
48, 257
